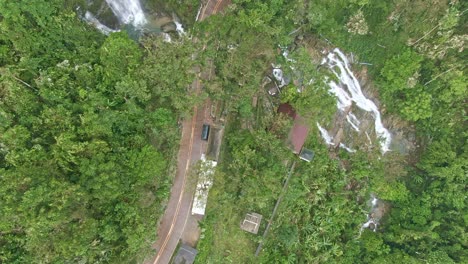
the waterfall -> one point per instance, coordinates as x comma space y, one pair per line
348, 90
128, 11
373, 218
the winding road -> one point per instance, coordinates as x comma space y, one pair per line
177, 222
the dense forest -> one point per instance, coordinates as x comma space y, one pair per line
88, 133
416, 57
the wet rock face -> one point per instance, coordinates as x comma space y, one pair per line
169, 27
378, 209
102, 12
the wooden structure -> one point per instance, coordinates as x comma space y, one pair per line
251, 223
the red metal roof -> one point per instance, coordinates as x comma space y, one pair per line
299, 131
298, 135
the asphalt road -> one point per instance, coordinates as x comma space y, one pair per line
173, 225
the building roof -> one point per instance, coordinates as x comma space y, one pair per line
307, 155
203, 186
251, 222
299, 131
185, 255
298, 134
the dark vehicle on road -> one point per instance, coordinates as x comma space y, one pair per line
205, 132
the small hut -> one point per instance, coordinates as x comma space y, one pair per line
251, 223
306, 154
185, 255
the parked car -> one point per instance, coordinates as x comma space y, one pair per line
205, 132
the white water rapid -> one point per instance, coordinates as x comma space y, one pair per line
353, 121
347, 91
128, 11
373, 218
328, 139
96, 23
179, 28
167, 38
343, 146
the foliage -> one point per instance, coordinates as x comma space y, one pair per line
313, 219
255, 161
416, 52
313, 101
357, 24
169, 71
79, 177
87, 124
401, 87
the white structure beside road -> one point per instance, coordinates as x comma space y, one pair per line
205, 181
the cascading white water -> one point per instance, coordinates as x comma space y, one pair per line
179, 28
328, 139
94, 21
373, 218
128, 11
348, 90
353, 121
343, 146
167, 37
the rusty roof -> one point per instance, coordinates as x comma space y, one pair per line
298, 136
287, 109
299, 131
